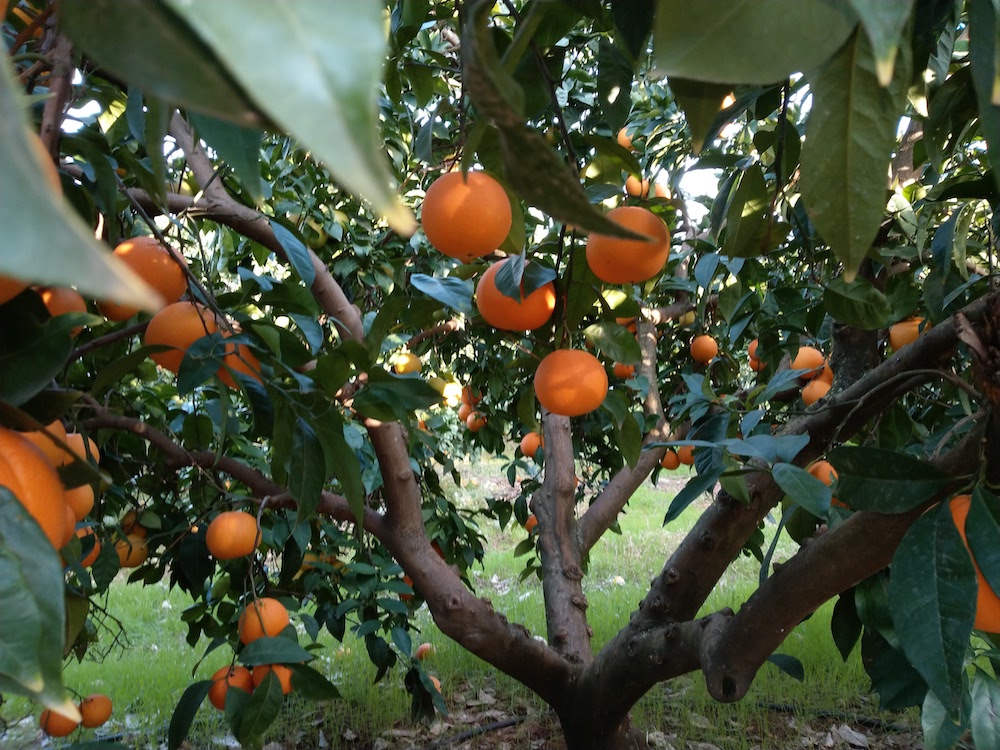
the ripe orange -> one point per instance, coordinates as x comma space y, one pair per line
636, 187
756, 365
56, 455
618, 261
56, 725
827, 374
670, 460
131, 526
531, 442
466, 217
96, 710
623, 371
475, 421
685, 454
241, 359
82, 448
70, 526
823, 470
178, 325
81, 500
406, 362
464, 410
436, 682
232, 534
752, 349
905, 332
500, 311
409, 582
10, 288
470, 395
91, 548
60, 300
808, 358
263, 617
132, 551
26, 472
987, 601
423, 651
530, 523
571, 382
661, 191
624, 140
283, 673
814, 391
225, 678
154, 264
704, 349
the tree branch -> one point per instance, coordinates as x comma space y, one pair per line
59, 88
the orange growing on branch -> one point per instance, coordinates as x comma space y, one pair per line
178, 325
508, 314
283, 673
636, 187
56, 725
624, 140
619, 261
987, 600
623, 371
154, 264
905, 332
704, 349
27, 473
53, 452
81, 500
466, 216
96, 710
475, 421
132, 551
670, 460
262, 617
60, 300
808, 358
240, 359
814, 391
531, 442
686, 454
232, 534
10, 288
571, 382
226, 678
91, 546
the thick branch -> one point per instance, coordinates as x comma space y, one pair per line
59, 88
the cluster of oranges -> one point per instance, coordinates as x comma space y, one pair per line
95, 710
467, 411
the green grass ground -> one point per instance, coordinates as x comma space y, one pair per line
146, 678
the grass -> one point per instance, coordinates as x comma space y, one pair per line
146, 679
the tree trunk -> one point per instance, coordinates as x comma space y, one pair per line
582, 731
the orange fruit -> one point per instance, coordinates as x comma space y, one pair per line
571, 382
464, 410
60, 300
661, 191
232, 534
131, 526
618, 261
623, 371
704, 349
70, 526
96, 710
500, 311
225, 678
670, 460
436, 682
531, 442
423, 651
263, 617
154, 264
756, 365
56, 455
466, 216
823, 470
27, 473
56, 725
283, 673
470, 395
132, 551
81, 447
623, 139
475, 421
752, 349
808, 358
530, 523
685, 454
636, 187
814, 391
409, 582
987, 601
905, 332
10, 288
241, 359
827, 374
178, 325
406, 362
91, 548
81, 500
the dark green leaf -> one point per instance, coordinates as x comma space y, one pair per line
850, 137
857, 303
701, 102
789, 665
695, 488
884, 23
884, 481
615, 341
385, 319
941, 729
296, 253
346, 468
614, 84
767, 447
845, 625
932, 596
259, 712
182, 718
803, 488
388, 397
239, 146
634, 20
983, 17
895, 680
311, 684
453, 292
982, 529
273, 650
746, 218
306, 469
985, 711
629, 439
726, 40
30, 354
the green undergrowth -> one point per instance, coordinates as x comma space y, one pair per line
147, 672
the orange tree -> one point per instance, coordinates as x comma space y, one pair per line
281, 152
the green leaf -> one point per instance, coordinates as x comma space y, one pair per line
45, 241
857, 303
183, 717
729, 41
895, 680
941, 730
258, 713
346, 468
33, 617
884, 481
629, 439
985, 711
746, 217
614, 84
615, 341
982, 530
983, 17
768, 447
452, 292
306, 469
389, 398
296, 252
803, 488
634, 21
695, 488
845, 625
273, 650
31, 355
239, 146
789, 665
319, 79
701, 102
883, 23
157, 53
850, 138
312, 685
932, 597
